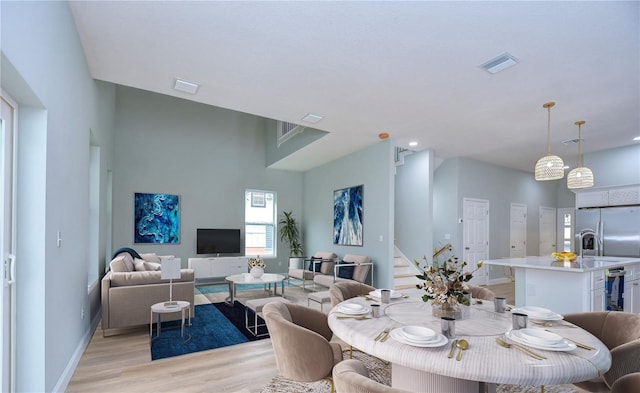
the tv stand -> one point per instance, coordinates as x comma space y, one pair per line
209, 268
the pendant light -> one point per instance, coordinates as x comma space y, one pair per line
549, 167
580, 177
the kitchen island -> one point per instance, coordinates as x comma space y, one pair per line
587, 284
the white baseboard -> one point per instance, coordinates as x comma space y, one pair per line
65, 378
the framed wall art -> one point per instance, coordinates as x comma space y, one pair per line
347, 216
156, 218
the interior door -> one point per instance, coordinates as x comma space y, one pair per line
547, 229
518, 230
8, 136
475, 213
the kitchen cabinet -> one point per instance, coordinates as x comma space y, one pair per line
611, 196
632, 289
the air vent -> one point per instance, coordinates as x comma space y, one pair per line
570, 142
499, 63
287, 131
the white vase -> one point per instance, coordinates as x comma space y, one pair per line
256, 272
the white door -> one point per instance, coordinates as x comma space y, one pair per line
547, 231
564, 229
518, 230
8, 136
475, 218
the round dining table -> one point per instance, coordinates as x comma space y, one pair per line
484, 364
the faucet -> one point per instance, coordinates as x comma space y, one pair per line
596, 248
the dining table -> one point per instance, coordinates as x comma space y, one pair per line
484, 364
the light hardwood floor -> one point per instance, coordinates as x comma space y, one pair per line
123, 363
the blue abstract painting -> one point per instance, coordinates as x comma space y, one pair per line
157, 218
347, 216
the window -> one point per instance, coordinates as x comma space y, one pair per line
260, 223
567, 233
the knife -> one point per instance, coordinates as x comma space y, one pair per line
453, 348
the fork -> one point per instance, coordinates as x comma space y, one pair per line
520, 347
383, 334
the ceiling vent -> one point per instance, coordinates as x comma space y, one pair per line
499, 63
186, 86
570, 142
287, 131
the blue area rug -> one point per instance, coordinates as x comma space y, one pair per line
214, 326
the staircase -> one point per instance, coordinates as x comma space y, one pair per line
404, 273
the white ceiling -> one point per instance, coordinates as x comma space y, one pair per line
410, 69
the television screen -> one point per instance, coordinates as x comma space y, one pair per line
218, 241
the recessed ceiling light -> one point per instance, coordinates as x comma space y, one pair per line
636, 138
499, 63
311, 118
186, 86
413, 143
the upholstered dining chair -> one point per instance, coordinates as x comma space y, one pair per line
620, 332
300, 337
351, 376
478, 292
627, 384
343, 290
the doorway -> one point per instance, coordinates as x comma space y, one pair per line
518, 230
475, 218
547, 231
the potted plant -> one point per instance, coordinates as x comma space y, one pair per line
289, 233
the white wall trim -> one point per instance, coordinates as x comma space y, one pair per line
65, 378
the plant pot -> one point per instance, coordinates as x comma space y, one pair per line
296, 263
256, 272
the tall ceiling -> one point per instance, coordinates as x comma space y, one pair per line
410, 69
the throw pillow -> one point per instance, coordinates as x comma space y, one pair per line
118, 265
317, 265
139, 264
150, 257
153, 266
346, 271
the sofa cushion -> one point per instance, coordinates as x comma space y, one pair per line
316, 265
151, 257
152, 266
119, 265
139, 264
147, 277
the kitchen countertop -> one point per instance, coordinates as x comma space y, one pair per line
580, 265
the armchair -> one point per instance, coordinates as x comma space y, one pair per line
360, 265
325, 259
620, 332
300, 338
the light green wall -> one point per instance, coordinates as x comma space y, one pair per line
45, 70
207, 155
615, 167
373, 168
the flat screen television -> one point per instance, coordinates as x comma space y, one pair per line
218, 241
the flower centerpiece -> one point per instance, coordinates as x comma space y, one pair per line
256, 267
445, 282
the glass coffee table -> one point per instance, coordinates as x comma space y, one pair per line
245, 278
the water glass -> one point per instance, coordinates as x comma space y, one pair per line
519, 320
448, 327
500, 304
375, 310
385, 295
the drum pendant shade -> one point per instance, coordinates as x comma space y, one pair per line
549, 167
580, 177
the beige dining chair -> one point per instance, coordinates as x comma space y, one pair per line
344, 290
478, 292
627, 384
351, 376
300, 337
620, 332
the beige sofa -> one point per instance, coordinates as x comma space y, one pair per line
127, 293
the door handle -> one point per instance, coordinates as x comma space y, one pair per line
513, 246
467, 248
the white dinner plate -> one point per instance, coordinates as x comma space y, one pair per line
418, 334
440, 340
564, 345
538, 313
540, 336
378, 294
352, 309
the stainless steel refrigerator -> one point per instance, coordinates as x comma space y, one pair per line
609, 231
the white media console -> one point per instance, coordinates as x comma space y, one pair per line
208, 268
